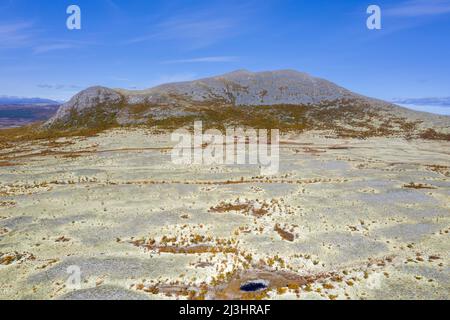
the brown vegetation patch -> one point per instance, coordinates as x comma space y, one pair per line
7, 204
245, 208
445, 170
26, 189
227, 207
7, 164
413, 185
431, 134
286, 235
62, 239
14, 257
339, 148
193, 244
36, 132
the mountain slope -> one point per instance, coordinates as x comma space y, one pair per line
244, 88
283, 99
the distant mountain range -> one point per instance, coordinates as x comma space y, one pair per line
18, 111
439, 102
10, 100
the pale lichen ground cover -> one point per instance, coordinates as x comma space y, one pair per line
344, 218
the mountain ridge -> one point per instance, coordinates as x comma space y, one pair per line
243, 87
283, 98
238, 88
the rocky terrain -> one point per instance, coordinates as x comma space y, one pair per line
360, 208
343, 219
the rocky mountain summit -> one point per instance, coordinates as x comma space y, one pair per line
275, 97
244, 88
238, 88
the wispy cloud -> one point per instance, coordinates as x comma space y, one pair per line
112, 4
203, 60
59, 86
120, 79
15, 35
197, 33
52, 47
57, 45
26, 35
197, 28
418, 8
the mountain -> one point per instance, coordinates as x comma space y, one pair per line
9, 100
284, 99
243, 88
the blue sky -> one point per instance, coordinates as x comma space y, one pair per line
141, 43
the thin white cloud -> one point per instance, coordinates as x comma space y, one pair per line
203, 60
16, 35
197, 29
418, 8
59, 86
52, 47
56, 45
111, 4
19, 35
193, 32
120, 79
